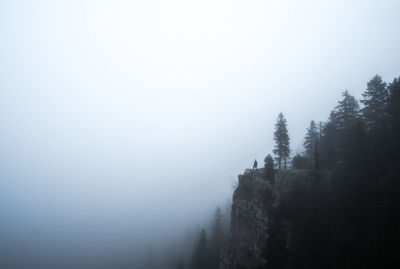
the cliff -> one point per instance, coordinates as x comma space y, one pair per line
253, 203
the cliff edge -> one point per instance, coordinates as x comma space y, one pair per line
253, 202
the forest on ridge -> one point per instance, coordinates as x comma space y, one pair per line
347, 213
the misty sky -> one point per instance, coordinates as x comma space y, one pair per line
121, 120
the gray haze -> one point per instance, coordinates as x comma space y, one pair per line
123, 123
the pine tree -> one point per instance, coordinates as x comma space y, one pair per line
375, 115
200, 259
281, 138
269, 171
394, 116
345, 116
300, 161
217, 239
328, 143
346, 113
310, 140
375, 99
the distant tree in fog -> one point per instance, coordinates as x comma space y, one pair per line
200, 259
269, 171
375, 98
310, 140
217, 238
300, 162
346, 113
281, 137
394, 114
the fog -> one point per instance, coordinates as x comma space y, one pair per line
125, 123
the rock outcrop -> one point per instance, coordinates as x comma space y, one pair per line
253, 200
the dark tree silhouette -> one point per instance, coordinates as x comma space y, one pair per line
329, 144
300, 162
375, 99
345, 213
217, 239
346, 113
394, 116
201, 255
281, 137
269, 171
311, 140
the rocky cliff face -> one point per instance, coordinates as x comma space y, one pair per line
253, 200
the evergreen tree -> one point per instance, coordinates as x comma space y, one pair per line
346, 113
281, 138
345, 116
217, 239
344, 212
375, 115
394, 116
389, 230
310, 140
375, 99
328, 143
269, 171
200, 259
300, 162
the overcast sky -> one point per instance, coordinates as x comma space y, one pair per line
120, 119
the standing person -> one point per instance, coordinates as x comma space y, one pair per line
255, 164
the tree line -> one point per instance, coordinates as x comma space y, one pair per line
347, 214
208, 246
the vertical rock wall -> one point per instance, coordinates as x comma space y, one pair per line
252, 202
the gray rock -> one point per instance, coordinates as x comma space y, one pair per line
252, 202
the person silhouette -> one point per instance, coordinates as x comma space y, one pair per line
255, 164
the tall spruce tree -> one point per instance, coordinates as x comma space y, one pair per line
201, 256
281, 137
310, 140
328, 143
375, 99
217, 239
345, 116
375, 115
346, 113
394, 116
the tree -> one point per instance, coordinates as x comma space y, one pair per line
375, 99
217, 239
311, 140
328, 143
346, 113
300, 162
394, 115
269, 171
200, 259
345, 116
281, 138
375, 115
